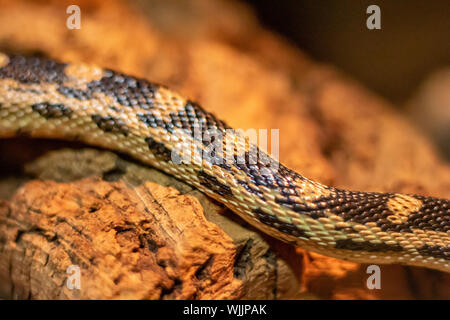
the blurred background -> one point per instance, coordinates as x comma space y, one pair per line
406, 62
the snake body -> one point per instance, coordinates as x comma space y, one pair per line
48, 99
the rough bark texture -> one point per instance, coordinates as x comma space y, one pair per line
137, 233
120, 235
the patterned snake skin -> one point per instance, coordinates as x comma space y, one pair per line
44, 98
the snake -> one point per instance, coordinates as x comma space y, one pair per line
45, 98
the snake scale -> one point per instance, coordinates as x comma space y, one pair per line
100, 107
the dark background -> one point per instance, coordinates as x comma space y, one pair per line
414, 39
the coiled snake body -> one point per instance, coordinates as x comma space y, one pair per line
44, 98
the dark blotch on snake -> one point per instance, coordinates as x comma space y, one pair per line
434, 215
51, 110
159, 149
356, 207
367, 207
193, 120
193, 115
349, 244
151, 121
110, 124
274, 222
435, 251
126, 90
33, 70
213, 184
272, 175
